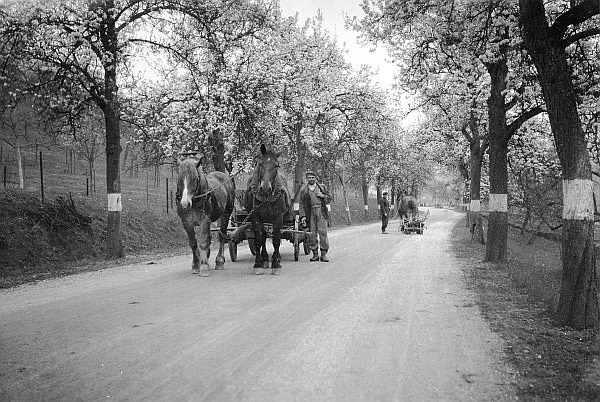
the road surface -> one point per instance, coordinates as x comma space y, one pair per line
388, 319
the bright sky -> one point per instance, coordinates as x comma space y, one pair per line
333, 20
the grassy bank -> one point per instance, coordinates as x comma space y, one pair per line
550, 362
67, 233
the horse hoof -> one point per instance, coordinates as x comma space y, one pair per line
195, 271
219, 267
275, 271
258, 271
205, 274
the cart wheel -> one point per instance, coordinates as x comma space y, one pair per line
306, 246
251, 246
233, 250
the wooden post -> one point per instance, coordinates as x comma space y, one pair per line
42, 177
87, 186
167, 186
5, 174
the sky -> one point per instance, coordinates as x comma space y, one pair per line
333, 12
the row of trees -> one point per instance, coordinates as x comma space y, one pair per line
485, 71
213, 76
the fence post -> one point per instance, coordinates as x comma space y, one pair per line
5, 174
167, 184
87, 186
42, 177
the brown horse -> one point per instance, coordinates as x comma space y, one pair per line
268, 200
202, 199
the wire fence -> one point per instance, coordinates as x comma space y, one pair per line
58, 171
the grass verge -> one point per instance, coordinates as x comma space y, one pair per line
550, 363
67, 234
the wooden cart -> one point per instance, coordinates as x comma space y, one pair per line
414, 224
241, 229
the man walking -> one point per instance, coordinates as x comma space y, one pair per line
384, 207
313, 199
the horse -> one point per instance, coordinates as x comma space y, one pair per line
202, 199
268, 200
408, 208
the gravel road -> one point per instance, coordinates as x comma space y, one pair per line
388, 319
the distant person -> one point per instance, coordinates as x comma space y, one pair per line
313, 199
384, 206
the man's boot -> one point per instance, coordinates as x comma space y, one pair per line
324, 256
315, 256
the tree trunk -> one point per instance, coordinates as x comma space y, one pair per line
365, 194
113, 143
475, 219
497, 233
218, 151
20, 166
125, 155
346, 201
578, 302
300, 168
393, 202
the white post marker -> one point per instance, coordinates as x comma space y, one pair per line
366, 207
578, 201
498, 203
475, 205
329, 207
114, 202
296, 206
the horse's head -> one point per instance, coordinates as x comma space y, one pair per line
267, 167
189, 182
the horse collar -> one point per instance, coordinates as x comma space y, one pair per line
272, 197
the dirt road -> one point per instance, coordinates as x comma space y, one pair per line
388, 319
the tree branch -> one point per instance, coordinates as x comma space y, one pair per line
580, 35
575, 15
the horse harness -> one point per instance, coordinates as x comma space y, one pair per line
203, 196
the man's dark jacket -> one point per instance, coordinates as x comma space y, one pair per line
304, 200
384, 206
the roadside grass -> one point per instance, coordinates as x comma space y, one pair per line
58, 237
38, 240
518, 298
67, 234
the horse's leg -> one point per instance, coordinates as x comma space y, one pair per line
204, 245
188, 226
264, 254
220, 260
276, 257
258, 263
